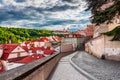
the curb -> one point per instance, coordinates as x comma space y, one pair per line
89, 76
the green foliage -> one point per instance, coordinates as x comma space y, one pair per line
93, 5
115, 32
104, 15
21, 34
101, 16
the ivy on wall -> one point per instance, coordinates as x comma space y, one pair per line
115, 32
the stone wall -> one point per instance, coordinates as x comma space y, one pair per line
112, 49
102, 45
67, 47
95, 46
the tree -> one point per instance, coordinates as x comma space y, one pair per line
101, 16
21, 34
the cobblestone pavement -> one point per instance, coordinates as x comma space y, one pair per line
65, 71
101, 69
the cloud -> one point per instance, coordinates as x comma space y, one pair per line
20, 0
67, 0
61, 8
41, 14
71, 1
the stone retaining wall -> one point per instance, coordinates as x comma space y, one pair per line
102, 47
37, 70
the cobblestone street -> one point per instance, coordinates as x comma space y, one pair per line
65, 71
101, 69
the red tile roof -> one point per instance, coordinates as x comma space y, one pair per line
7, 49
25, 48
34, 49
16, 59
44, 39
48, 52
28, 42
47, 48
31, 58
56, 38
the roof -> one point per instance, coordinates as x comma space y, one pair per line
28, 42
34, 49
56, 38
44, 39
31, 58
16, 59
25, 48
47, 48
8, 48
48, 52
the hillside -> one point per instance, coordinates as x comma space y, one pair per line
21, 34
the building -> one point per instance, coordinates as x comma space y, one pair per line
61, 31
13, 52
101, 45
89, 31
14, 55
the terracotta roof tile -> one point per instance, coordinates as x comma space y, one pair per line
34, 49
8, 48
31, 58
44, 39
48, 52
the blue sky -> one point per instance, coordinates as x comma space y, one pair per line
44, 14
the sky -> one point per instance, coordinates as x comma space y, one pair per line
44, 14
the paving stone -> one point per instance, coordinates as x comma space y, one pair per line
101, 69
65, 71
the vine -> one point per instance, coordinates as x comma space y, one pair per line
115, 32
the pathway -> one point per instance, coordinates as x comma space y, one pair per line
98, 68
65, 71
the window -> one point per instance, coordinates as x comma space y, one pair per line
18, 55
